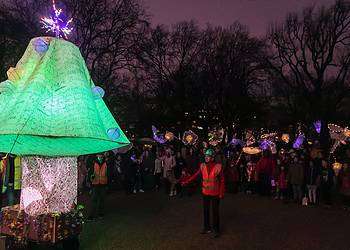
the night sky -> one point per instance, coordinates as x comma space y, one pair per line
256, 14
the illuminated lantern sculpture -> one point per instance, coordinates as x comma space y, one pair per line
339, 135
189, 138
346, 132
299, 141
50, 115
318, 126
236, 142
251, 150
337, 167
157, 136
285, 138
216, 136
169, 136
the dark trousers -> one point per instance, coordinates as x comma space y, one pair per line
98, 199
346, 200
167, 185
251, 186
139, 181
157, 179
128, 184
326, 191
264, 184
214, 202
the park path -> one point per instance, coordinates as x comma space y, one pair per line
152, 220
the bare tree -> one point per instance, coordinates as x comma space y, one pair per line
193, 74
309, 57
232, 71
167, 63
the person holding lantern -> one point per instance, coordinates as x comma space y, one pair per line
213, 188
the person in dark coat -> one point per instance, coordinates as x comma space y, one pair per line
129, 167
327, 183
179, 167
312, 179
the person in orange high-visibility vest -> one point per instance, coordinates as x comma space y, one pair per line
99, 181
213, 188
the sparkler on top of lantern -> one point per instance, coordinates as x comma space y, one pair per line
56, 23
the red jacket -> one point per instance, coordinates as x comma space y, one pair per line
282, 180
232, 174
266, 165
213, 181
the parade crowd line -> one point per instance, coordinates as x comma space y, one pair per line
303, 176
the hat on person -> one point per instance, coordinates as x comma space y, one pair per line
209, 152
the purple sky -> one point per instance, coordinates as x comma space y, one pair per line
256, 14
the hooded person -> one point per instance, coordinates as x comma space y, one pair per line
213, 188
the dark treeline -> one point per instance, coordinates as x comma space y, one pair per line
186, 75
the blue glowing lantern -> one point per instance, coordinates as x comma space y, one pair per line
113, 133
98, 92
40, 45
318, 126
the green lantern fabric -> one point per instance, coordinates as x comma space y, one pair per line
48, 106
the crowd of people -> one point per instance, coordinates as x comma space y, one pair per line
303, 176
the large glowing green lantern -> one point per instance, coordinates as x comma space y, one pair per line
49, 105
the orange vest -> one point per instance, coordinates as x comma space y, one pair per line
100, 174
211, 181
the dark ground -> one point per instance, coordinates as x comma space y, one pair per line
152, 220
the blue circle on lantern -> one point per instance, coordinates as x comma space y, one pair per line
113, 133
98, 92
40, 45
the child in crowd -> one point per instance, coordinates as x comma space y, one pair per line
251, 174
282, 186
158, 168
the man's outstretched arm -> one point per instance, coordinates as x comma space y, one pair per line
191, 178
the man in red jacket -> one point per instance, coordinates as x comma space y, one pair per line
213, 188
